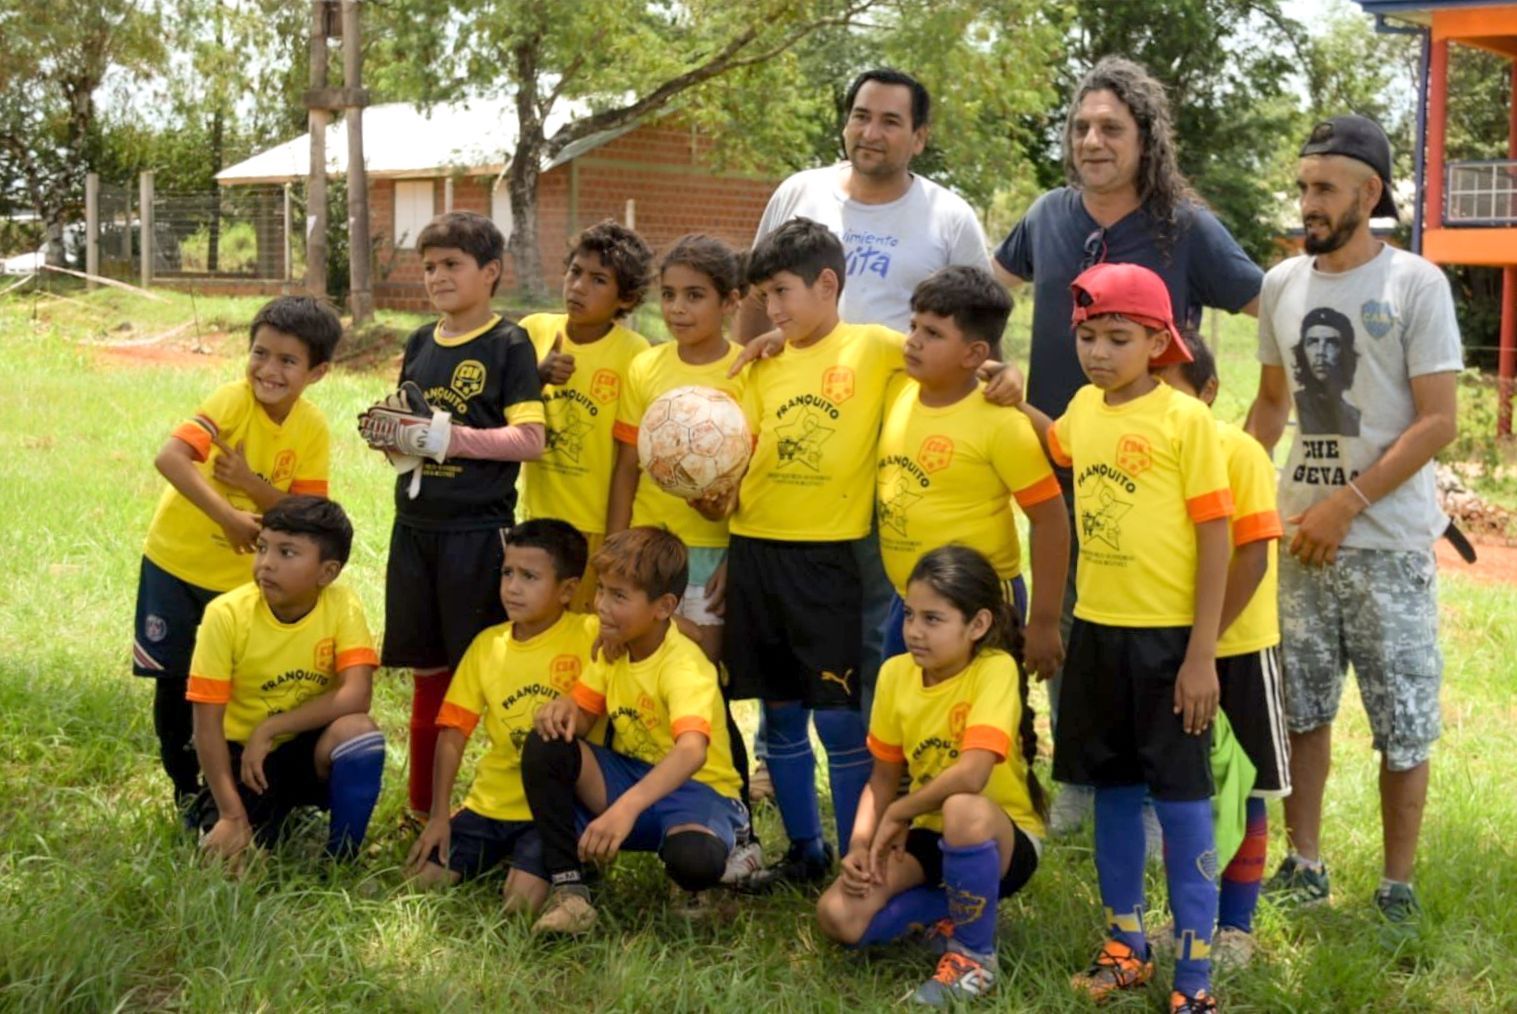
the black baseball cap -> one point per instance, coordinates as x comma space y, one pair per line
1357, 137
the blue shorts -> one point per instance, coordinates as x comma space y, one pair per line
895, 636
478, 844
691, 803
168, 614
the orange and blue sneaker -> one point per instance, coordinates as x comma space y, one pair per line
960, 976
938, 936
1201, 1003
1116, 967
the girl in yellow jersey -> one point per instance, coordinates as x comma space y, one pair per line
953, 714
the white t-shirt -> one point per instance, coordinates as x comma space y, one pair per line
890, 247
1349, 344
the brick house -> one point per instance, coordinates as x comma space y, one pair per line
657, 173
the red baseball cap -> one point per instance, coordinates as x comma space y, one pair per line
1134, 292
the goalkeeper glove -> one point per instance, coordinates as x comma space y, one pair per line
406, 424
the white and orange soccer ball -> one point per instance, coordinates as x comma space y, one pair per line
693, 441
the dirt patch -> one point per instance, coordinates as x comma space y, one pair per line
153, 355
1495, 563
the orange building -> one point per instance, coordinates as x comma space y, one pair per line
1466, 211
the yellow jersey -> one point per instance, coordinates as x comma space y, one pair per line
949, 474
817, 415
1146, 473
504, 681
1251, 477
572, 480
652, 373
927, 728
258, 666
291, 456
653, 702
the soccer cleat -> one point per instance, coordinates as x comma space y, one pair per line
1232, 948
959, 977
938, 936
1296, 883
568, 912
1116, 967
1203, 1001
796, 868
1072, 807
742, 863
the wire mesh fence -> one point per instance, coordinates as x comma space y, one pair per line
235, 232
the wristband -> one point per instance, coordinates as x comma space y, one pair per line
1359, 493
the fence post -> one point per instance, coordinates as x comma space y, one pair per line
145, 216
447, 194
126, 227
289, 217
91, 228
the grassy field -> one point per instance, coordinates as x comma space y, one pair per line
103, 905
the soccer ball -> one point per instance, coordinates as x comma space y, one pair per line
693, 441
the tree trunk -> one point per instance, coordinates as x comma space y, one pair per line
523, 173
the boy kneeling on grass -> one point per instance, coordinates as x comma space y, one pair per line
668, 784
280, 680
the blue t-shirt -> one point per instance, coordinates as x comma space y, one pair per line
1204, 267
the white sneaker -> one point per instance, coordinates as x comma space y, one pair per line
743, 862
1071, 808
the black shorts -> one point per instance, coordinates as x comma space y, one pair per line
168, 615
1254, 699
441, 589
290, 769
478, 844
922, 845
794, 615
1117, 724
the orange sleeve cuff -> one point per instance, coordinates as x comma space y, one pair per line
1045, 489
625, 432
452, 716
1257, 528
357, 656
308, 487
197, 436
1210, 506
208, 691
886, 751
588, 699
986, 737
1056, 450
691, 723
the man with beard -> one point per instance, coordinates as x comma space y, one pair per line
1357, 580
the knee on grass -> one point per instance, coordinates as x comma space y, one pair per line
695, 860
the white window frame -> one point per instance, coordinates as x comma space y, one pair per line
414, 203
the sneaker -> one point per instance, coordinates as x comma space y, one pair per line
760, 785
959, 977
1398, 904
795, 868
938, 936
1297, 883
1071, 808
1179, 1003
742, 863
1232, 948
567, 912
1116, 967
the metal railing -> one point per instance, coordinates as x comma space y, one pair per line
1481, 193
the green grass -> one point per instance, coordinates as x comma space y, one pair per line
103, 906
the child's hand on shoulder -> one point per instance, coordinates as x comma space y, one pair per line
1042, 649
1004, 384
241, 529
764, 346
557, 366
1197, 694
555, 720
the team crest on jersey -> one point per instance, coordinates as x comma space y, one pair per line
605, 386
326, 655
958, 721
1378, 317
1134, 455
284, 467
155, 628
936, 454
837, 384
468, 378
563, 671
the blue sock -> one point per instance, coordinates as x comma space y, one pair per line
848, 765
1240, 881
972, 885
353, 789
792, 768
1119, 862
1190, 866
921, 906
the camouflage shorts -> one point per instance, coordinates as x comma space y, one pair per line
1376, 610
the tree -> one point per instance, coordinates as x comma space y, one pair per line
719, 63
53, 59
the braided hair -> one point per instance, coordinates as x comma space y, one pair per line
967, 580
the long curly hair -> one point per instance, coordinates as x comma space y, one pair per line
1162, 187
